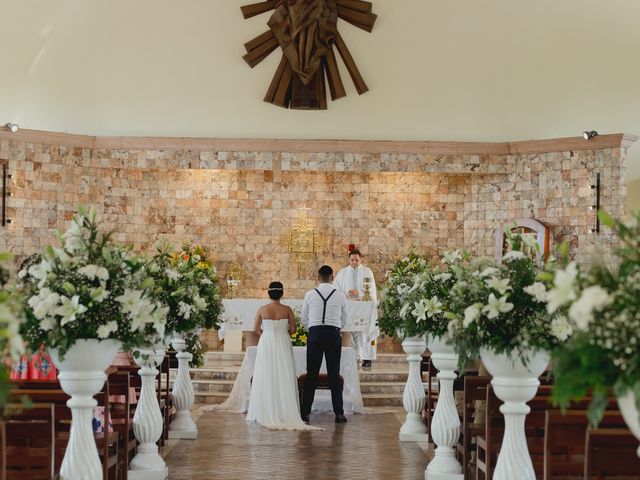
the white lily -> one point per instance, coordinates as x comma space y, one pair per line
130, 299
70, 309
40, 272
184, 309
561, 328
442, 277
563, 290
500, 285
489, 272
496, 306
94, 271
44, 303
434, 306
451, 257
592, 298
513, 255
471, 313
199, 302
172, 274
538, 291
105, 330
420, 310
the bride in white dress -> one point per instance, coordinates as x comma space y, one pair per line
274, 401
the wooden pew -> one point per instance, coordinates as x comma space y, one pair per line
488, 445
49, 391
475, 388
611, 452
122, 419
564, 438
28, 446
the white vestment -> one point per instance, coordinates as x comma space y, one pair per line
346, 280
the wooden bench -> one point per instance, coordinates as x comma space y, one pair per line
611, 452
28, 446
475, 389
323, 383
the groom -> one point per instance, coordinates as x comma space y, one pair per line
324, 313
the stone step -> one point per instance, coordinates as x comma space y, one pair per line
383, 376
382, 400
213, 386
395, 388
369, 400
390, 358
210, 397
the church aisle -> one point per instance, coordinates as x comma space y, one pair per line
228, 447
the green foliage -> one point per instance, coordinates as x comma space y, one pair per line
186, 283
603, 304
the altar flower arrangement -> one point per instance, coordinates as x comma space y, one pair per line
89, 288
400, 279
208, 286
186, 284
299, 337
501, 306
11, 318
603, 307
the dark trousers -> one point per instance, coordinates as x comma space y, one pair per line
323, 340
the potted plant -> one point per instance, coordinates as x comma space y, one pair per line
499, 314
602, 304
85, 300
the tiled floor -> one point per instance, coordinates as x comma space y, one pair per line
366, 448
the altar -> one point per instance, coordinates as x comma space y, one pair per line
238, 400
240, 313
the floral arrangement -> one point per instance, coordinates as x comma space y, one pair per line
603, 307
209, 287
425, 302
399, 280
299, 337
11, 318
186, 284
500, 307
89, 288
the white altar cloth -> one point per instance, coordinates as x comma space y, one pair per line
240, 314
238, 400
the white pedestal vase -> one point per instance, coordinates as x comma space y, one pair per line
414, 397
182, 394
630, 413
147, 421
445, 425
82, 375
514, 384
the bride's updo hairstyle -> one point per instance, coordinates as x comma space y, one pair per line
275, 290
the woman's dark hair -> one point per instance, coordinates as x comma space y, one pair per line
275, 290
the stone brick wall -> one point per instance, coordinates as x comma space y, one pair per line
242, 204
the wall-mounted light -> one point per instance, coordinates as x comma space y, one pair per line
596, 207
12, 127
5, 193
589, 134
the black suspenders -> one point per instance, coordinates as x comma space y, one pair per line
324, 301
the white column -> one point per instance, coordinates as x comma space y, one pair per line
82, 376
445, 426
183, 396
147, 421
514, 384
414, 397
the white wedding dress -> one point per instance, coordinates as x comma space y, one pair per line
274, 401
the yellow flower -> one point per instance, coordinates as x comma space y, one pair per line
203, 265
303, 338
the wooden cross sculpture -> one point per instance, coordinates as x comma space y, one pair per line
306, 31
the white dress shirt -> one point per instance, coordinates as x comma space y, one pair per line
312, 306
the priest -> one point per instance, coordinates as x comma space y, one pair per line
350, 281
